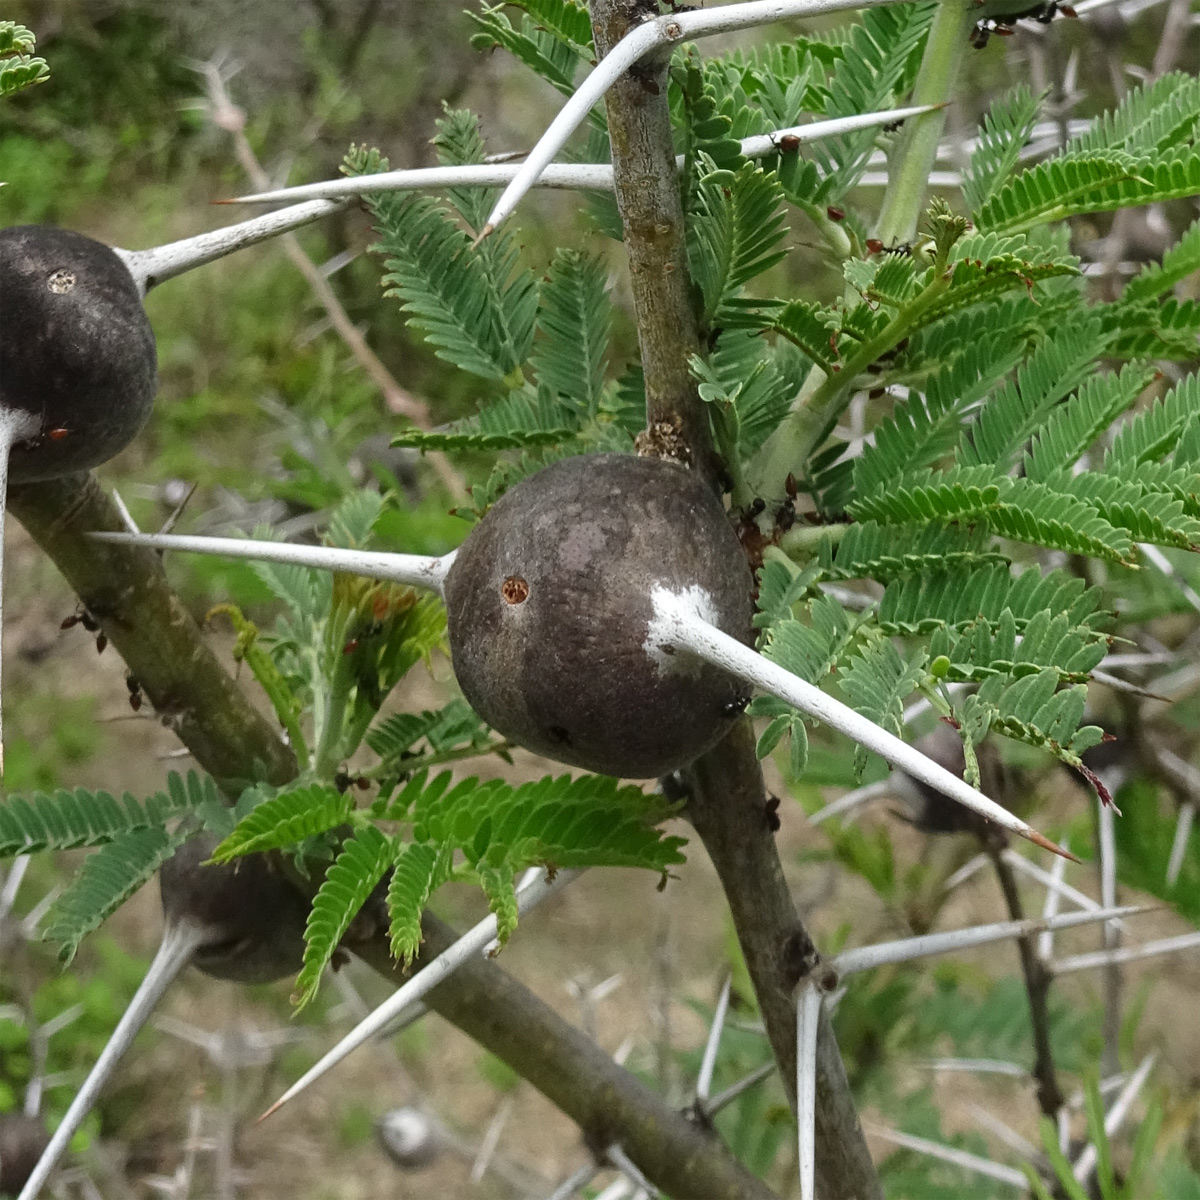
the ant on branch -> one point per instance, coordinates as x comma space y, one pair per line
1004, 26
81, 616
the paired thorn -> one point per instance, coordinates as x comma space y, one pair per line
575, 176
666, 30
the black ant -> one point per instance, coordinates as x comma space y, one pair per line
771, 812
81, 616
135, 692
875, 246
1043, 13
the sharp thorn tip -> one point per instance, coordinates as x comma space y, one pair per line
1039, 839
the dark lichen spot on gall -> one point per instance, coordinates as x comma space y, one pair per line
566, 672
76, 350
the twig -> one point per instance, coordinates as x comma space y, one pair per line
1037, 989
226, 115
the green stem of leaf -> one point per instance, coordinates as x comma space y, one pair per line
915, 151
824, 397
387, 770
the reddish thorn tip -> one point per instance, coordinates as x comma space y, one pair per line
1039, 839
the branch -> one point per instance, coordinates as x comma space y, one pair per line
125, 588
611, 1106
647, 190
728, 809
728, 806
1037, 986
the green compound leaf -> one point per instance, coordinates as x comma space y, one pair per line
285, 819
500, 889
574, 321
419, 871
348, 883
1007, 127
66, 820
105, 881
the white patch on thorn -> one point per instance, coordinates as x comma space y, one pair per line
672, 610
